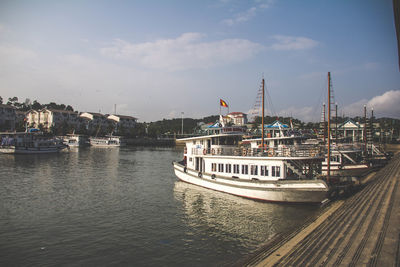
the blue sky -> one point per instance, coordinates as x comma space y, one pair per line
156, 59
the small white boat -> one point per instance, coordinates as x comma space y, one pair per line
109, 141
29, 143
75, 140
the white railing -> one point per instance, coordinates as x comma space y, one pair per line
285, 151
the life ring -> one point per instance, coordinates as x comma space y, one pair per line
244, 152
213, 151
213, 176
200, 174
204, 151
270, 152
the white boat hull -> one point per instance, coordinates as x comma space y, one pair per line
30, 150
347, 170
293, 191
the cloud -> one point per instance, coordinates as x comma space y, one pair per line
241, 17
188, 51
305, 114
385, 105
10, 54
248, 14
292, 43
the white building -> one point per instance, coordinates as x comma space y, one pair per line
235, 118
58, 118
7, 117
33, 118
93, 120
46, 118
122, 121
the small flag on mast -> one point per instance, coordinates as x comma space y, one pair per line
223, 103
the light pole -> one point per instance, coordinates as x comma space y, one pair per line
182, 123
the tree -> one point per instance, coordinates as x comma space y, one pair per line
36, 105
12, 101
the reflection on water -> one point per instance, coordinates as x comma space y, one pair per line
246, 221
124, 206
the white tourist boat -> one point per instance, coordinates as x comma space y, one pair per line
108, 141
29, 143
279, 169
75, 140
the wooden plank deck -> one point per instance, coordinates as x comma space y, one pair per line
362, 230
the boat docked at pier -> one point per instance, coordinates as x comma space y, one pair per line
346, 160
29, 143
277, 169
108, 141
75, 140
282, 172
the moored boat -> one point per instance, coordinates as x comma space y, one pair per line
75, 140
277, 169
29, 143
109, 141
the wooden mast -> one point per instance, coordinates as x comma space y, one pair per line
328, 174
262, 118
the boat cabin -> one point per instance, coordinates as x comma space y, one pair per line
229, 156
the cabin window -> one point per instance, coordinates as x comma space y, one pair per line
221, 167
264, 170
228, 168
245, 169
214, 167
254, 170
276, 171
235, 168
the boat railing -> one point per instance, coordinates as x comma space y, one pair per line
282, 151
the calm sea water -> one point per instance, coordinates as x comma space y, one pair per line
125, 207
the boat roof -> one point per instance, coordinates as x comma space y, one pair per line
274, 138
209, 136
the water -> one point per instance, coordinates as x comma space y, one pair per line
125, 207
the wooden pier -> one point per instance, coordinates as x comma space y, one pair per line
362, 230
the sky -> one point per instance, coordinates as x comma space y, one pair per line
156, 59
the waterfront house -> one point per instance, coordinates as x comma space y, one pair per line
351, 130
93, 121
33, 118
122, 123
237, 118
7, 117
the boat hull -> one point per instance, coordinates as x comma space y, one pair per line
31, 150
350, 170
290, 191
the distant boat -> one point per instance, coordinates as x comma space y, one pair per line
108, 141
75, 140
29, 143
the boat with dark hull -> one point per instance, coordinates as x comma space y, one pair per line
30, 143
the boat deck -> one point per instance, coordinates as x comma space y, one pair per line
360, 230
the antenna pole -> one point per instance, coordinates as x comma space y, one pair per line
336, 122
329, 129
262, 118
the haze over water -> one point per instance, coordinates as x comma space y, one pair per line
125, 207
